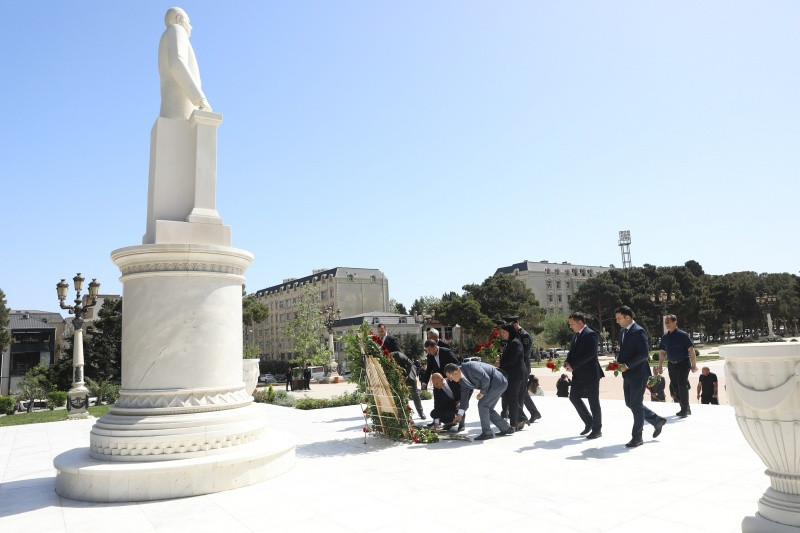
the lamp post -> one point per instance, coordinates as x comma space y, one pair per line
78, 395
330, 317
663, 298
766, 302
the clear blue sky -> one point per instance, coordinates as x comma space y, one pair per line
436, 141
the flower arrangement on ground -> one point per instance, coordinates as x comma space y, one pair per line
553, 364
358, 345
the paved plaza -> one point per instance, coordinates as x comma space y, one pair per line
699, 475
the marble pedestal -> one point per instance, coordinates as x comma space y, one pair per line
184, 423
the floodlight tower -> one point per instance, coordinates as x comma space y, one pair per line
625, 247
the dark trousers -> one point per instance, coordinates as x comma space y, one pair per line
512, 398
633, 386
414, 390
709, 399
679, 374
525, 400
591, 390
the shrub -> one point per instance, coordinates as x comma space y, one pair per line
280, 397
57, 398
6, 405
425, 395
352, 398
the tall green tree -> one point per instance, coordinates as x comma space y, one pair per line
396, 307
425, 304
304, 332
502, 295
556, 330
253, 311
465, 311
103, 348
5, 334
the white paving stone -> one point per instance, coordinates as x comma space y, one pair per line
699, 475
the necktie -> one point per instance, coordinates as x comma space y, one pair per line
622, 336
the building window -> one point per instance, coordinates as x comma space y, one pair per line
549, 297
448, 332
547, 271
558, 284
349, 277
372, 279
549, 284
323, 295
567, 284
559, 298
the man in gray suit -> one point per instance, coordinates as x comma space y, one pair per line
491, 384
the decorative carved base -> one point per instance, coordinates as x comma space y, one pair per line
166, 437
179, 401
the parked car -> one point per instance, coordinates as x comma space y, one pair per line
267, 378
472, 359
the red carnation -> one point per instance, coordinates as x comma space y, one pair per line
551, 365
385, 351
366, 429
488, 344
408, 408
495, 334
478, 347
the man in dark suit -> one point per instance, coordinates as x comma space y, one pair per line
307, 377
634, 361
446, 399
527, 343
586, 374
475, 375
410, 372
390, 343
433, 334
438, 358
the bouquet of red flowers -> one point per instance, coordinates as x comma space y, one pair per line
489, 351
554, 366
613, 366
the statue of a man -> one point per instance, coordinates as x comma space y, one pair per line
181, 92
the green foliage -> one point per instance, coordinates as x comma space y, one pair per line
304, 331
104, 390
6, 405
396, 307
57, 398
32, 386
103, 348
498, 296
360, 344
352, 398
5, 335
556, 330
411, 345
47, 416
250, 351
279, 397
425, 304
425, 395
253, 311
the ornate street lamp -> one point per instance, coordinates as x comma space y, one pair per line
78, 395
330, 317
766, 301
663, 298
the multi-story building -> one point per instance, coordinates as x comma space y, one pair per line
351, 290
553, 284
34, 339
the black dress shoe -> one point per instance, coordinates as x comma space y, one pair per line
659, 425
594, 435
460, 427
535, 417
587, 429
431, 425
484, 436
509, 431
634, 443
521, 426
682, 414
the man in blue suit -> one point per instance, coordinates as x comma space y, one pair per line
586, 374
634, 359
491, 384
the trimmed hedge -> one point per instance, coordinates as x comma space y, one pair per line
353, 398
6, 405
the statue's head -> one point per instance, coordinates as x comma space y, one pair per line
176, 15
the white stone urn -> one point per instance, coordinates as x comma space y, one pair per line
250, 374
762, 385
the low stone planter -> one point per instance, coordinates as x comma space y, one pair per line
762, 385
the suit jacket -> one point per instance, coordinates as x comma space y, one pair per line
634, 351
444, 407
391, 343
446, 355
527, 343
409, 369
483, 377
582, 357
512, 360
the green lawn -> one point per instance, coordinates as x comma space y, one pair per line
47, 416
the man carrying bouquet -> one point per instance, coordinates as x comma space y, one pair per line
633, 358
586, 374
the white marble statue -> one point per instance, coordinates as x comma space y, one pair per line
181, 91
